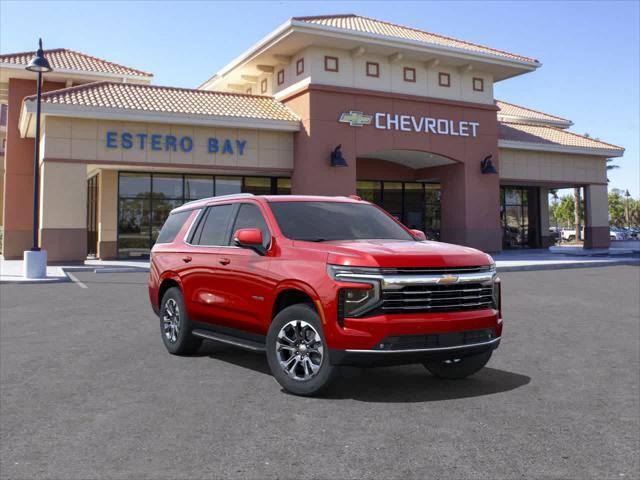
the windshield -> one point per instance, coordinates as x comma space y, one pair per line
325, 221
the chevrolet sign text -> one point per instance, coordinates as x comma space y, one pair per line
438, 126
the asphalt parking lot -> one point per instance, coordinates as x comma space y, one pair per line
88, 391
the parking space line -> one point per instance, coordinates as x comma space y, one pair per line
75, 280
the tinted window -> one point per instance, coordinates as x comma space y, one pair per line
320, 221
214, 226
172, 226
250, 216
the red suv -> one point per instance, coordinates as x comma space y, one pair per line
318, 282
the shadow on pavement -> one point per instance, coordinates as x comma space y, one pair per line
408, 383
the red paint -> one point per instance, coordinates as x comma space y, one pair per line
241, 291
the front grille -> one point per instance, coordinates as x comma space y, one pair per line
433, 270
437, 298
436, 340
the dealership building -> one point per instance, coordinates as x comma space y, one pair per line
331, 105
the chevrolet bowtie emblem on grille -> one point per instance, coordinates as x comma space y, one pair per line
447, 279
355, 119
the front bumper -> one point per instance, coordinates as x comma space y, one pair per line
378, 357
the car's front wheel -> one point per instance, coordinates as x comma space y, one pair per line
297, 351
456, 368
175, 325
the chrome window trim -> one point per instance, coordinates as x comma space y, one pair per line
195, 221
434, 349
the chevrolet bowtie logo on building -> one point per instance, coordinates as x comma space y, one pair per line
356, 119
447, 279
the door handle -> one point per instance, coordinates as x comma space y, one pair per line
186, 259
224, 261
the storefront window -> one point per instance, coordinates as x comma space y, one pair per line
145, 201
228, 185
283, 186
519, 219
257, 185
198, 186
414, 205
392, 198
370, 191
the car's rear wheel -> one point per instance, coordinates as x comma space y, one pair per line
175, 325
456, 368
297, 351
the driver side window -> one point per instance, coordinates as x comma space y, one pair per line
250, 216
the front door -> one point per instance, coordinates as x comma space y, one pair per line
92, 216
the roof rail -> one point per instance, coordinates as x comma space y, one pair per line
220, 197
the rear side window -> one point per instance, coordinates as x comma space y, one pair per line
172, 226
250, 216
214, 226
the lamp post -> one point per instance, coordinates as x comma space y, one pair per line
35, 260
626, 208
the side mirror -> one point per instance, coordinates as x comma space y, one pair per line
249, 238
418, 235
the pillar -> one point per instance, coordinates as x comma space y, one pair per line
18, 174
546, 240
63, 211
107, 214
596, 216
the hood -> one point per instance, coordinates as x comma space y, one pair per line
396, 253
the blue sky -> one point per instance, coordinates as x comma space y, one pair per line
589, 50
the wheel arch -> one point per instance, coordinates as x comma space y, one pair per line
293, 293
167, 281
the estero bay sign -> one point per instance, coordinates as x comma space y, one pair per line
411, 123
171, 143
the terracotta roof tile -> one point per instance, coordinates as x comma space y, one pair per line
517, 132
513, 110
153, 98
379, 27
65, 59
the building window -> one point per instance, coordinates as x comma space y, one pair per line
444, 79
478, 84
300, 66
248, 91
146, 199
373, 69
409, 74
263, 86
280, 77
331, 64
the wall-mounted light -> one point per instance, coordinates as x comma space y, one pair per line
486, 166
337, 160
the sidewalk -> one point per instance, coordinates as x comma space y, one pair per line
506, 261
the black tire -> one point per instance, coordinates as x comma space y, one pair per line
458, 368
571, 238
182, 341
295, 317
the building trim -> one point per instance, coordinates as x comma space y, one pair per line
305, 87
544, 147
523, 182
129, 115
214, 169
533, 121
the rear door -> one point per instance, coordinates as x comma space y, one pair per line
201, 275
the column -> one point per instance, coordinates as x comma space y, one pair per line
107, 214
63, 211
596, 216
546, 240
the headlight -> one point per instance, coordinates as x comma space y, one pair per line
356, 301
492, 262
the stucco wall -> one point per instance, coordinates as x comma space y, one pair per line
352, 73
551, 167
85, 140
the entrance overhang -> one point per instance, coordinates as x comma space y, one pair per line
415, 159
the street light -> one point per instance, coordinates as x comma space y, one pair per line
626, 208
35, 260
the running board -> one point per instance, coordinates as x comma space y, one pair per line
231, 340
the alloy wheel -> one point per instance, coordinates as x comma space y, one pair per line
299, 350
171, 320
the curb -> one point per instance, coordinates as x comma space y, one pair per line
566, 266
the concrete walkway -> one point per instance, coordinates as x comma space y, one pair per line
507, 261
